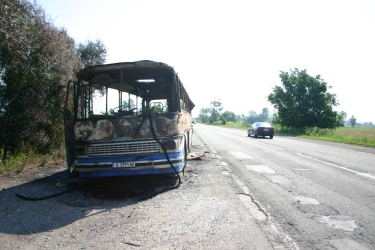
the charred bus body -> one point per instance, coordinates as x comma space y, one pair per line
128, 118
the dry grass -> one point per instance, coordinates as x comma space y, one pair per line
358, 131
355, 136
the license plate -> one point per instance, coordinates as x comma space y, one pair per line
128, 164
266, 129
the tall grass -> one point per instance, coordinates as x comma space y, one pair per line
15, 163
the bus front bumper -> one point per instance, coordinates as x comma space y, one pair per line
106, 168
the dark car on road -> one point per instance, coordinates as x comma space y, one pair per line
261, 129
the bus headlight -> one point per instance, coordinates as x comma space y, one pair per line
170, 145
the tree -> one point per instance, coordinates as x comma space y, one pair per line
228, 116
343, 118
127, 105
303, 101
36, 61
264, 116
215, 109
241, 118
253, 117
203, 115
353, 121
92, 53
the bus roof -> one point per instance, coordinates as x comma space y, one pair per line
127, 76
87, 72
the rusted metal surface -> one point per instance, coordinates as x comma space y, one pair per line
185, 120
130, 128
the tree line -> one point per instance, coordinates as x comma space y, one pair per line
301, 102
213, 115
36, 61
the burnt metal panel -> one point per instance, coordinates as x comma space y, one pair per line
166, 125
128, 128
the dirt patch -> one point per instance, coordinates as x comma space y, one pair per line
353, 131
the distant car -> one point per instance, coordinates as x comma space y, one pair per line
261, 129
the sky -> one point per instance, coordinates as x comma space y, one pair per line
233, 51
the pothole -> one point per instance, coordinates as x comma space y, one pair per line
311, 205
319, 209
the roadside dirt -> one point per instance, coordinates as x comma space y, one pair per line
204, 212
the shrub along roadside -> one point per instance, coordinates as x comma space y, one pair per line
36, 61
16, 163
238, 125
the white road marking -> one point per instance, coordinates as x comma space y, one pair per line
305, 200
239, 154
339, 222
285, 238
254, 209
213, 150
242, 185
366, 175
210, 147
336, 166
225, 172
260, 169
265, 144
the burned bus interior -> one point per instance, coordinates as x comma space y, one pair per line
129, 92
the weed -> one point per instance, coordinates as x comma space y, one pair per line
17, 162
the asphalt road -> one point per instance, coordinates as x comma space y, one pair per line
315, 195
242, 193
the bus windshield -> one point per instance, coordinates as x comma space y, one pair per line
127, 119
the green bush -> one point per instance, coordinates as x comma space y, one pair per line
15, 163
238, 125
315, 131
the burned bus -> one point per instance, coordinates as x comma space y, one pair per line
130, 118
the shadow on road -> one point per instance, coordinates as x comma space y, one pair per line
259, 137
85, 198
